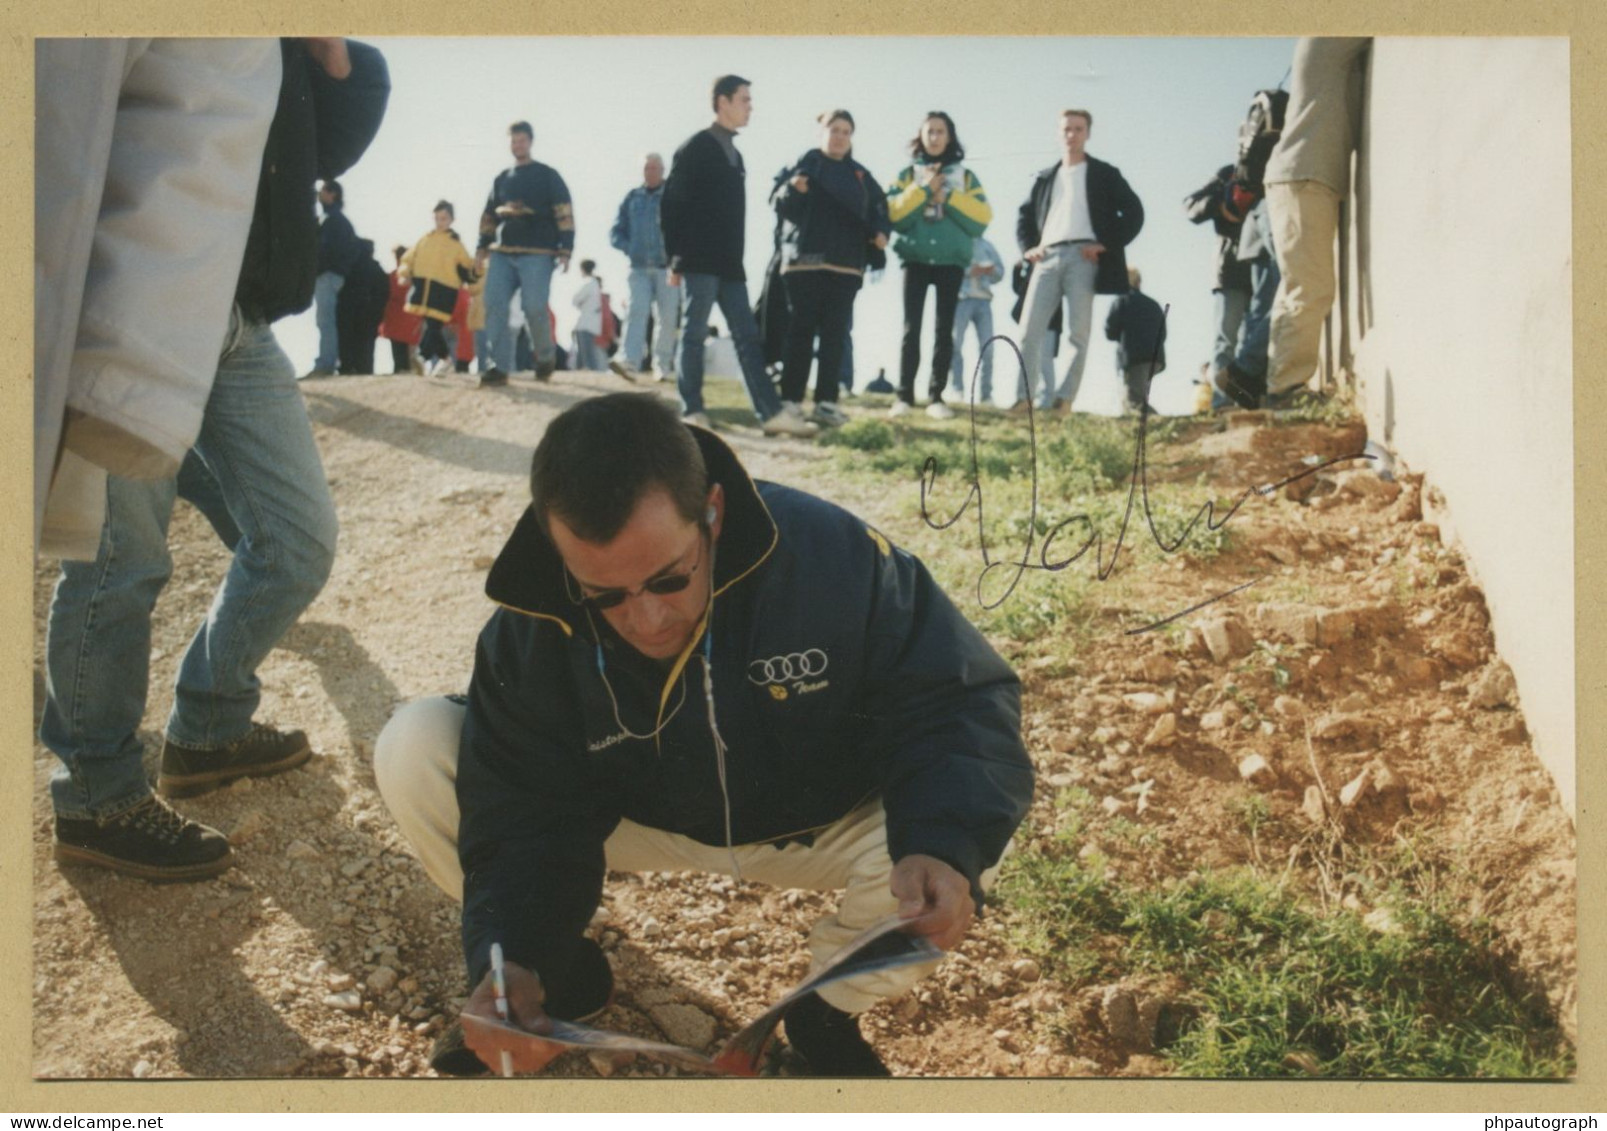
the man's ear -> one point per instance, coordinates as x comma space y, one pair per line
714, 516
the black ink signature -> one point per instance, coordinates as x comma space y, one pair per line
1138, 484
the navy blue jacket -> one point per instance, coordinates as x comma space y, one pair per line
833, 223
1137, 324
841, 672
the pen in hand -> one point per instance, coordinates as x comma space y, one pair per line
499, 982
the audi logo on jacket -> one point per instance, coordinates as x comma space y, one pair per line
840, 671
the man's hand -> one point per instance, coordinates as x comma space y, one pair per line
934, 898
330, 53
1092, 251
1034, 254
563, 262
880, 241
674, 278
481, 258
800, 182
525, 996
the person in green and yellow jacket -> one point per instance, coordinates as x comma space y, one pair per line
937, 208
436, 267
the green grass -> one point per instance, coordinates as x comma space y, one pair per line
1279, 988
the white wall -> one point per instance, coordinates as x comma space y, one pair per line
1462, 329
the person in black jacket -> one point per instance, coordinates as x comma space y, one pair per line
337, 252
360, 309
1078, 217
694, 670
255, 474
1223, 204
703, 218
1137, 324
834, 213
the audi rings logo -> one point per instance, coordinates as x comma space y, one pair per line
789, 668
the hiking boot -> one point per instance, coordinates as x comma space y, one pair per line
1244, 389
623, 369
545, 371
150, 841
829, 1040
937, 410
900, 408
493, 378
189, 770
587, 992
788, 421
700, 419
828, 415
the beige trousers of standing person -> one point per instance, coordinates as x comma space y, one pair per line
1304, 216
415, 764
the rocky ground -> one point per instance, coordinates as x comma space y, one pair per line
327, 952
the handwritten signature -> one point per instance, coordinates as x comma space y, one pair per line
1138, 487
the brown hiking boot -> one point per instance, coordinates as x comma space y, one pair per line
188, 770
150, 841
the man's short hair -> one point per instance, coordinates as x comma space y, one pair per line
333, 189
1133, 277
726, 86
652, 156
521, 127
598, 460
445, 206
1083, 114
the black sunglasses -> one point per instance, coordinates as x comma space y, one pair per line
659, 586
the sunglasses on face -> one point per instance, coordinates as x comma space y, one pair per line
659, 586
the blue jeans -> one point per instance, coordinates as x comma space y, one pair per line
326, 291
651, 293
978, 311
531, 276
256, 475
702, 292
588, 354
1252, 354
1062, 275
1228, 308
1046, 366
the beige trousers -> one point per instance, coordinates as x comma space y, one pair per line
1304, 216
415, 762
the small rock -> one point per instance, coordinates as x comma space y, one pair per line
1256, 770
382, 980
1163, 733
1313, 806
141, 1069
1026, 970
1118, 1009
1226, 638
685, 1025
1352, 790
1146, 702
350, 1001
1289, 707
1296, 622
1344, 726
651, 928
301, 850
1379, 919
1494, 687
1213, 720
339, 982
1115, 806
249, 825
602, 1063
908, 1009
484, 561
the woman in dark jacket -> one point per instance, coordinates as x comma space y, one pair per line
833, 214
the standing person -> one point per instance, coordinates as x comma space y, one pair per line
437, 267
937, 207
360, 309
1078, 217
975, 308
1306, 177
403, 329
1137, 324
1223, 203
337, 250
703, 216
526, 231
588, 301
639, 233
834, 215
254, 472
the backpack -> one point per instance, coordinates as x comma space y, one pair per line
610, 331
1258, 134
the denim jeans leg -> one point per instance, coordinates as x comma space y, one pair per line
98, 651
984, 331
326, 292
1038, 308
1252, 355
1079, 279
641, 294
701, 291
535, 289
668, 304
1229, 311
738, 311
501, 279
964, 315
258, 444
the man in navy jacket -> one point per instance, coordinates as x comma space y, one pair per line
692, 670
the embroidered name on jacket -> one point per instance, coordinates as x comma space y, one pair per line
798, 671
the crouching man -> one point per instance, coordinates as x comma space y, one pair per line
695, 671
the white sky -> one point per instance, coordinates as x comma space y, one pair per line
1166, 111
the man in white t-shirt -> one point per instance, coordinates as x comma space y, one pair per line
1073, 227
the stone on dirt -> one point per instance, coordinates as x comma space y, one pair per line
1255, 769
685, 1025
1494, 687
1226, 638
